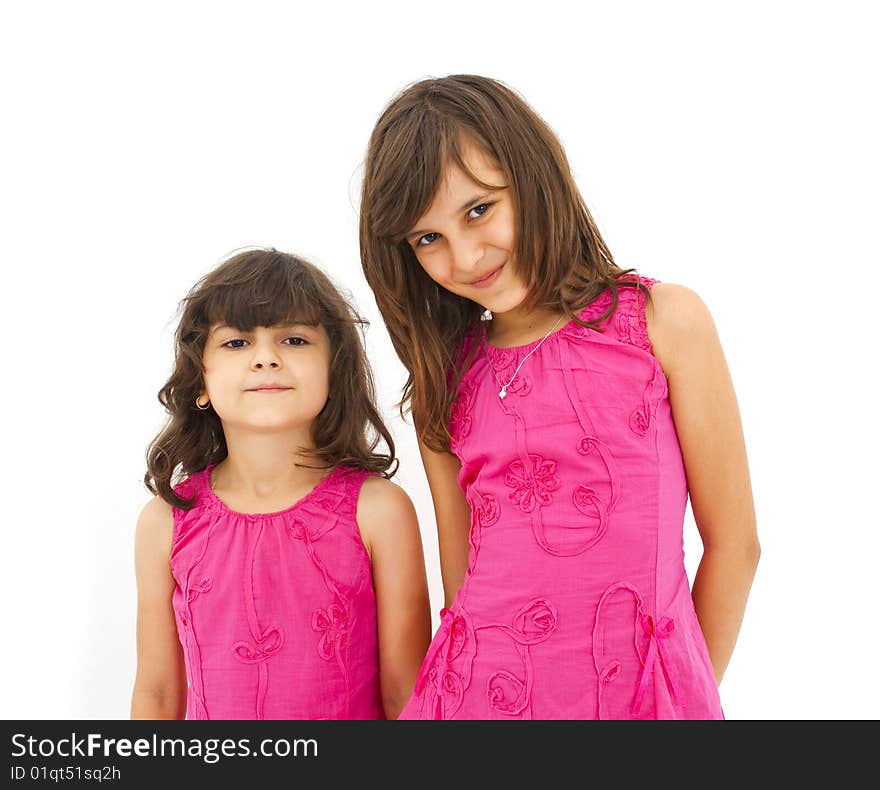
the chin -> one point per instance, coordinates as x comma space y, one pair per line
505, 303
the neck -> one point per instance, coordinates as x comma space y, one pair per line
260, 465
516, 327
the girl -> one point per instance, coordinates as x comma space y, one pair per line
561, 435
285, 573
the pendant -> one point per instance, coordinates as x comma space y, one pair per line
502, 393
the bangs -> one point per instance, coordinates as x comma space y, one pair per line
268, 293
409, 169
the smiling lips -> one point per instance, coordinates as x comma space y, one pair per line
489, 278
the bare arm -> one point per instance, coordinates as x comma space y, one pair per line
160, 685
453, 514
390, 531
709, 430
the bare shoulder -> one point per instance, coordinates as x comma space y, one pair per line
381, 498
677, 321
155, 525
383, 510
156, 514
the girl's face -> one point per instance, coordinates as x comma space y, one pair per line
465, 240
270, 379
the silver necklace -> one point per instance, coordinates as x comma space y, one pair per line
502, 393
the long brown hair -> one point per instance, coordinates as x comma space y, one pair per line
265, 287
559, 252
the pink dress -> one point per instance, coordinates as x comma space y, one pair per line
575, 603
276, 611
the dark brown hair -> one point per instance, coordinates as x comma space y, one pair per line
265, 287
559, 253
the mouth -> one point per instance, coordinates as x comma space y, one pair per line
269, 388
488, 279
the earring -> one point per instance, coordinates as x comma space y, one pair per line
487, 315
199, 405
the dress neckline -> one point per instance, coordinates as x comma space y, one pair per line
322, 484
523, 346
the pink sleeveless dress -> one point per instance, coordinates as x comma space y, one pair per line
575, 603
276, 611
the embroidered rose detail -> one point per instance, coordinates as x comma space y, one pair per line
536, 621
267, 644
202, 587
331, 623
446, 669
299, 530
532, 486
609, 672
506, 693
488, 510
484, 514
640, 420
586, 500
457, 638
450, 684
329, 500
587, 445
460, 417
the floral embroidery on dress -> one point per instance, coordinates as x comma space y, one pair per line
536, 621
506, 693
338, 498
505, 362
268, 643
460, 417
484, 514
531, 487
488, 510
299, 530
332, 624
587, 445
640, 419
644, 625
446, 669
587, 502
202, 587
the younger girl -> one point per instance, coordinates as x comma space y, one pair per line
560, 436
283, 577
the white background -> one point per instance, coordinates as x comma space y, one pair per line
728, 147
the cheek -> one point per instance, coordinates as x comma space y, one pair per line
505, 232
435, 267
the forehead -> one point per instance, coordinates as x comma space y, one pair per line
458, 185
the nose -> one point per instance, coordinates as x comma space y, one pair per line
265, 356
466, 255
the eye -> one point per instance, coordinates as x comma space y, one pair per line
302, 341
478, 210
234, 343
427, 239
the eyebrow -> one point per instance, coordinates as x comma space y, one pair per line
474, 201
